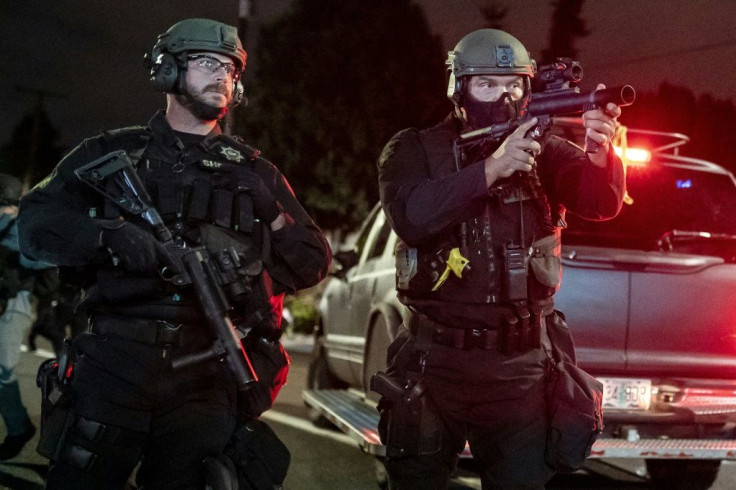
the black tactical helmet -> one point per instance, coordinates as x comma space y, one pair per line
486, 52
10, 190
168, 55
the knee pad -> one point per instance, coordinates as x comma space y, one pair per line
220, 473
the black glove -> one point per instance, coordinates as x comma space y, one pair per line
272, 363
137, 249
264, 203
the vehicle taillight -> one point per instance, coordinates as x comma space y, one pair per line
633, 156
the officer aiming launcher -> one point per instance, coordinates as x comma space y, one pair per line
114, 177
560, 97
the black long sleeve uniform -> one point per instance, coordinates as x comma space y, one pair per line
55, 220
124, 377
426, 195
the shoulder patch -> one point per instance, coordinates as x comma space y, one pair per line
233, 149
393, 145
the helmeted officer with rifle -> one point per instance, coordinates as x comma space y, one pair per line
186, 241
478, 202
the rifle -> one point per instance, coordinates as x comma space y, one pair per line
560, 97
114, 176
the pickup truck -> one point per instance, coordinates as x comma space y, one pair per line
648, 297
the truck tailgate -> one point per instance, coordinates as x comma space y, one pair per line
351, 414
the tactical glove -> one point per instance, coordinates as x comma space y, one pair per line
137, 249
272, 364
264, 203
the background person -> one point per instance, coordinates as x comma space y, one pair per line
17, 277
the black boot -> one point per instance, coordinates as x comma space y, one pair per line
13, 445
14, 414
32, 341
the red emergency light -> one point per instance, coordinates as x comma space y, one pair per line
633, 156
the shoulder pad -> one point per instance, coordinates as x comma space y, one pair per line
126, 132
446, 128
129, 138
397, 141
405, 134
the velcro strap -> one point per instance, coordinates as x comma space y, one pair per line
96, 431
199, 201
143, 331
221, 207
460, 338
465, 338
78, 457
244, 208
167, 198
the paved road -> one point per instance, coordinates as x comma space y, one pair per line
321, 459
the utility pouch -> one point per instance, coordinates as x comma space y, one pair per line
509, 336
535, 330
516, 267
546, 267
417, 271
261, 460
220, 473
406, 265
54, 379
520, 330
272, 363
575, 412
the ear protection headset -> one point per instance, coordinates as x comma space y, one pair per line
166, 71
238, 93
167, 61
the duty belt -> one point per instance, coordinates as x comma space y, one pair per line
459, 338
465, 338
143, 331
514, 335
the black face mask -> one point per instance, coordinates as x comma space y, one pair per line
484, 114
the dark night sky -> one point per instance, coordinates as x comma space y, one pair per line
90, 50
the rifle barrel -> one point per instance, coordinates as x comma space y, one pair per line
566, 103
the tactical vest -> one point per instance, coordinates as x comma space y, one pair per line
481, 239
197, 205
199, 194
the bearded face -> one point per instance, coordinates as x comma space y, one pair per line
201, 103
206, 87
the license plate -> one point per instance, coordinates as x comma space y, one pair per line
627, 393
